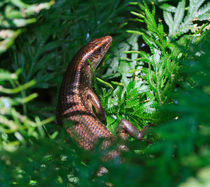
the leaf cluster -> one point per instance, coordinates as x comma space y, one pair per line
16, 126
14, 16
183, 22
132, 83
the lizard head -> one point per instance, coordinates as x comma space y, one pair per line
97, 49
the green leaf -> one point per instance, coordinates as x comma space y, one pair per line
169, 21
168, 8
149, 40
179, 14
204, 12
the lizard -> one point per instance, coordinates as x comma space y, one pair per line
77, 99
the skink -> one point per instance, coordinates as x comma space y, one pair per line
77, 99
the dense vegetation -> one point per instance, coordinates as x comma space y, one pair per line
157, 71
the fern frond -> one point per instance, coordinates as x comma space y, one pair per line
179, 14
204, 12
169, 21
13, 122
183, 23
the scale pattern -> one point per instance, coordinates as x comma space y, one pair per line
72, 105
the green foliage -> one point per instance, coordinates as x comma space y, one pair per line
161, 61
154, 75
129, 96
144, 77
15, 15
202, 179
181, 24
16, 128
61, 31
184, 142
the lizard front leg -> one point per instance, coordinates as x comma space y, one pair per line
91, 99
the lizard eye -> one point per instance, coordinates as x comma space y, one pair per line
100, 50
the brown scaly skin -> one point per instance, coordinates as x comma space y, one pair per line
76, 99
